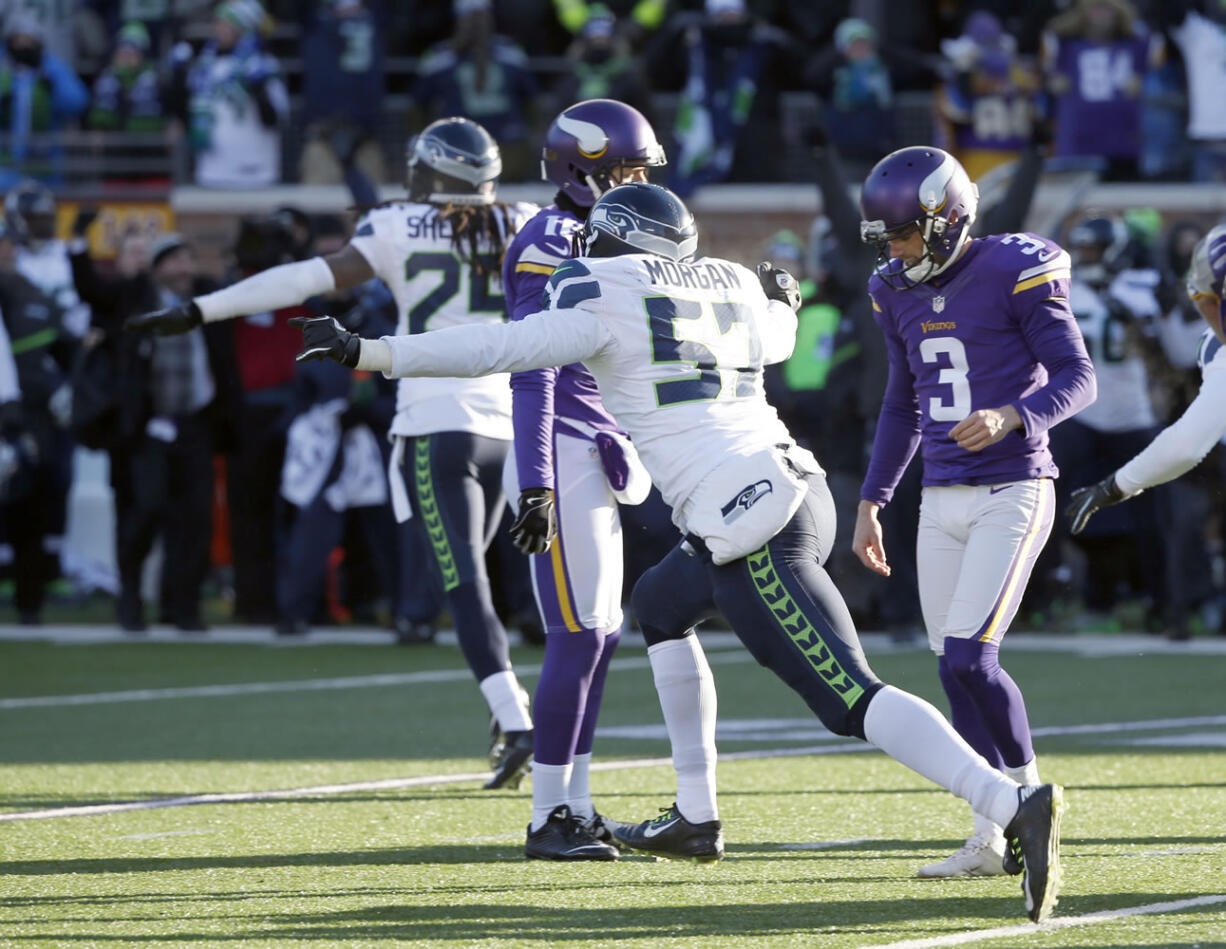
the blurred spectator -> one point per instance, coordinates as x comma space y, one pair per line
1201, 38
336, 456
843, 263
1095, 58
484, 77
127, 96
989, 104
343, 47
854, 83
33, 505
639, 17
1115, 307
177, 403
731, 66
266, 345
42, 258
232, 101
39, 94
602, 65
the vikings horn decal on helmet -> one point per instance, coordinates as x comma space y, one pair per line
589, 141
453, 161
639, 218
917, 189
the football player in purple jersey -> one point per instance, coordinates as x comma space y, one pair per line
569, 466
985, 356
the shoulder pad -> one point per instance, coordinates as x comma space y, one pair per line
1031, 261
571, 283
1210, 349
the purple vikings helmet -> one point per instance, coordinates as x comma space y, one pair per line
589, 140
917, 189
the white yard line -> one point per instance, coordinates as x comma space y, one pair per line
846, 746
1059, 922
314, 685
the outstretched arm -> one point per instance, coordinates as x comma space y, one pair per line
553, 338
272, 289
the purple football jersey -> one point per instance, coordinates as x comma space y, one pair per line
545, 398
995, 329
1100, 113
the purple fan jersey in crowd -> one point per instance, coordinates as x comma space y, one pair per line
542, 244
1100, 113
992, 330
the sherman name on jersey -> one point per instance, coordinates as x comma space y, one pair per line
985, 335
408, 245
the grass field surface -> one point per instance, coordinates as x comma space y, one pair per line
197, 792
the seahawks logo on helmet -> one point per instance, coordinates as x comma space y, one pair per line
640, 218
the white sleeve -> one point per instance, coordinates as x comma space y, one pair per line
272, 289
1181, 446
777, 330
10, 391
551, 338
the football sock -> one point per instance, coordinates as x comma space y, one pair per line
687, 698
508, 702
964, 715
579, 790
1027, 773
1002, 709
562, 693
913, 733
987, 828
549, 782
595, 692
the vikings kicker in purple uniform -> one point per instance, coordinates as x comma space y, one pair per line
569, 466
985, 356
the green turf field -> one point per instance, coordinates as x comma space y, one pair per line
822, 847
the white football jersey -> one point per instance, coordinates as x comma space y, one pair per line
409, 247
677, 350
1123, 402
48, 268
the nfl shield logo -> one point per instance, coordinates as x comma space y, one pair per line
938, 304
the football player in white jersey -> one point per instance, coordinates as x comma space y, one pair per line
677, 346
1181, 446
439, 252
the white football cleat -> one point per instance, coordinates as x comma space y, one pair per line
980, 856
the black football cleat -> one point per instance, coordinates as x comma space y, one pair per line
1035, 833
1012, 859
564, 837
671, 835
602, 828
512, 763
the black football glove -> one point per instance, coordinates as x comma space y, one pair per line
323, 337
778, 284
168, 322
537, 524
1085, 501
81, 223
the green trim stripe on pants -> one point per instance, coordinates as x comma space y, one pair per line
427, 507
802, 633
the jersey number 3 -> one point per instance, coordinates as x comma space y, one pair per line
953, 375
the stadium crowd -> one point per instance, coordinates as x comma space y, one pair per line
264, 479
